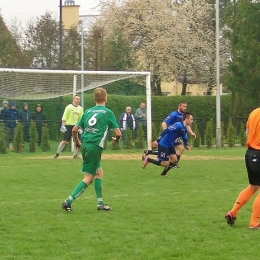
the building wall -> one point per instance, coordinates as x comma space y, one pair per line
173, 89
70, 16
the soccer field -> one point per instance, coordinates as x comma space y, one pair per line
153, 217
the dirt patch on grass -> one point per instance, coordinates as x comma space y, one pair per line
184, 157
138, 157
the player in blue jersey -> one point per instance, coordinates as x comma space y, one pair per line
173, 117
167, 156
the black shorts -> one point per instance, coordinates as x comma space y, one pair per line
252, 159
68, 134
164, 153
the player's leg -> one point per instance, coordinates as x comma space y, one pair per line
98, 190
147, 151
179, 148
75, 150
254, 221
173, 159
254, 163
179, 151
248, 192
91, 155
162, 158
66, 138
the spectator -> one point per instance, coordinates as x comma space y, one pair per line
140, 115
2, 109
25, 117
10, 117
127, 119
39, 118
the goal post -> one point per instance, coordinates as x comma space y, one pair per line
37, 84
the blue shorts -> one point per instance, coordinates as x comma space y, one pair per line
164, 153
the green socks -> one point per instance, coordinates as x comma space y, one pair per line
98, 189
79, 189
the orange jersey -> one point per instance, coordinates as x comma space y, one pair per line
253, 129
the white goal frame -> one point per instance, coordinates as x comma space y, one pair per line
121, 74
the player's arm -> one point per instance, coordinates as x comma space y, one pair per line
63, 128
190, 131
247, 129
65, 115
164, 125
185, 141
117, 137
163, 133
75, 136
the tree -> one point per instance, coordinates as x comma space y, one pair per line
230, 134
197, 140
242, 29
18, 138
45, 146
95, 47
41, 41
242, 135
209, 134
33, 137
71, 49
3, 148
11, 54
167, 38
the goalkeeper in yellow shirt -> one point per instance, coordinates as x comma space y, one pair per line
72, 114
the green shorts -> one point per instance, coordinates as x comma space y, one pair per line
91, 155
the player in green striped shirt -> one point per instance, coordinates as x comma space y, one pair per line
95, 124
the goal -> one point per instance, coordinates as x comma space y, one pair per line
36, 84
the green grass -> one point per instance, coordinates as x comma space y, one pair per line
180, 217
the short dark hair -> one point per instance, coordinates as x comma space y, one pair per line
186, 115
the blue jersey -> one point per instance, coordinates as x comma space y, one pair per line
173, 117
172, 134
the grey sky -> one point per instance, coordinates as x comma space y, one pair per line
27, 9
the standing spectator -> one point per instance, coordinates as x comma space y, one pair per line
96, 122
140, 115
10, 117
39, 118
25, 117
72, 114
127, 119
2, 109
252, 162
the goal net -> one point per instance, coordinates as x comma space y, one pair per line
37, 84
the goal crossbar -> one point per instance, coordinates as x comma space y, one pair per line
36, 84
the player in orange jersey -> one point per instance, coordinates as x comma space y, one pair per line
252, 161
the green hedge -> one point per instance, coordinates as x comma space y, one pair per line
203, 108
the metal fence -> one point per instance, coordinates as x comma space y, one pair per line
55, 136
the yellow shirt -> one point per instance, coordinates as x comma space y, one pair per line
72, 114
253, 129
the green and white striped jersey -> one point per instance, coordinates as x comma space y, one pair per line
95, 123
